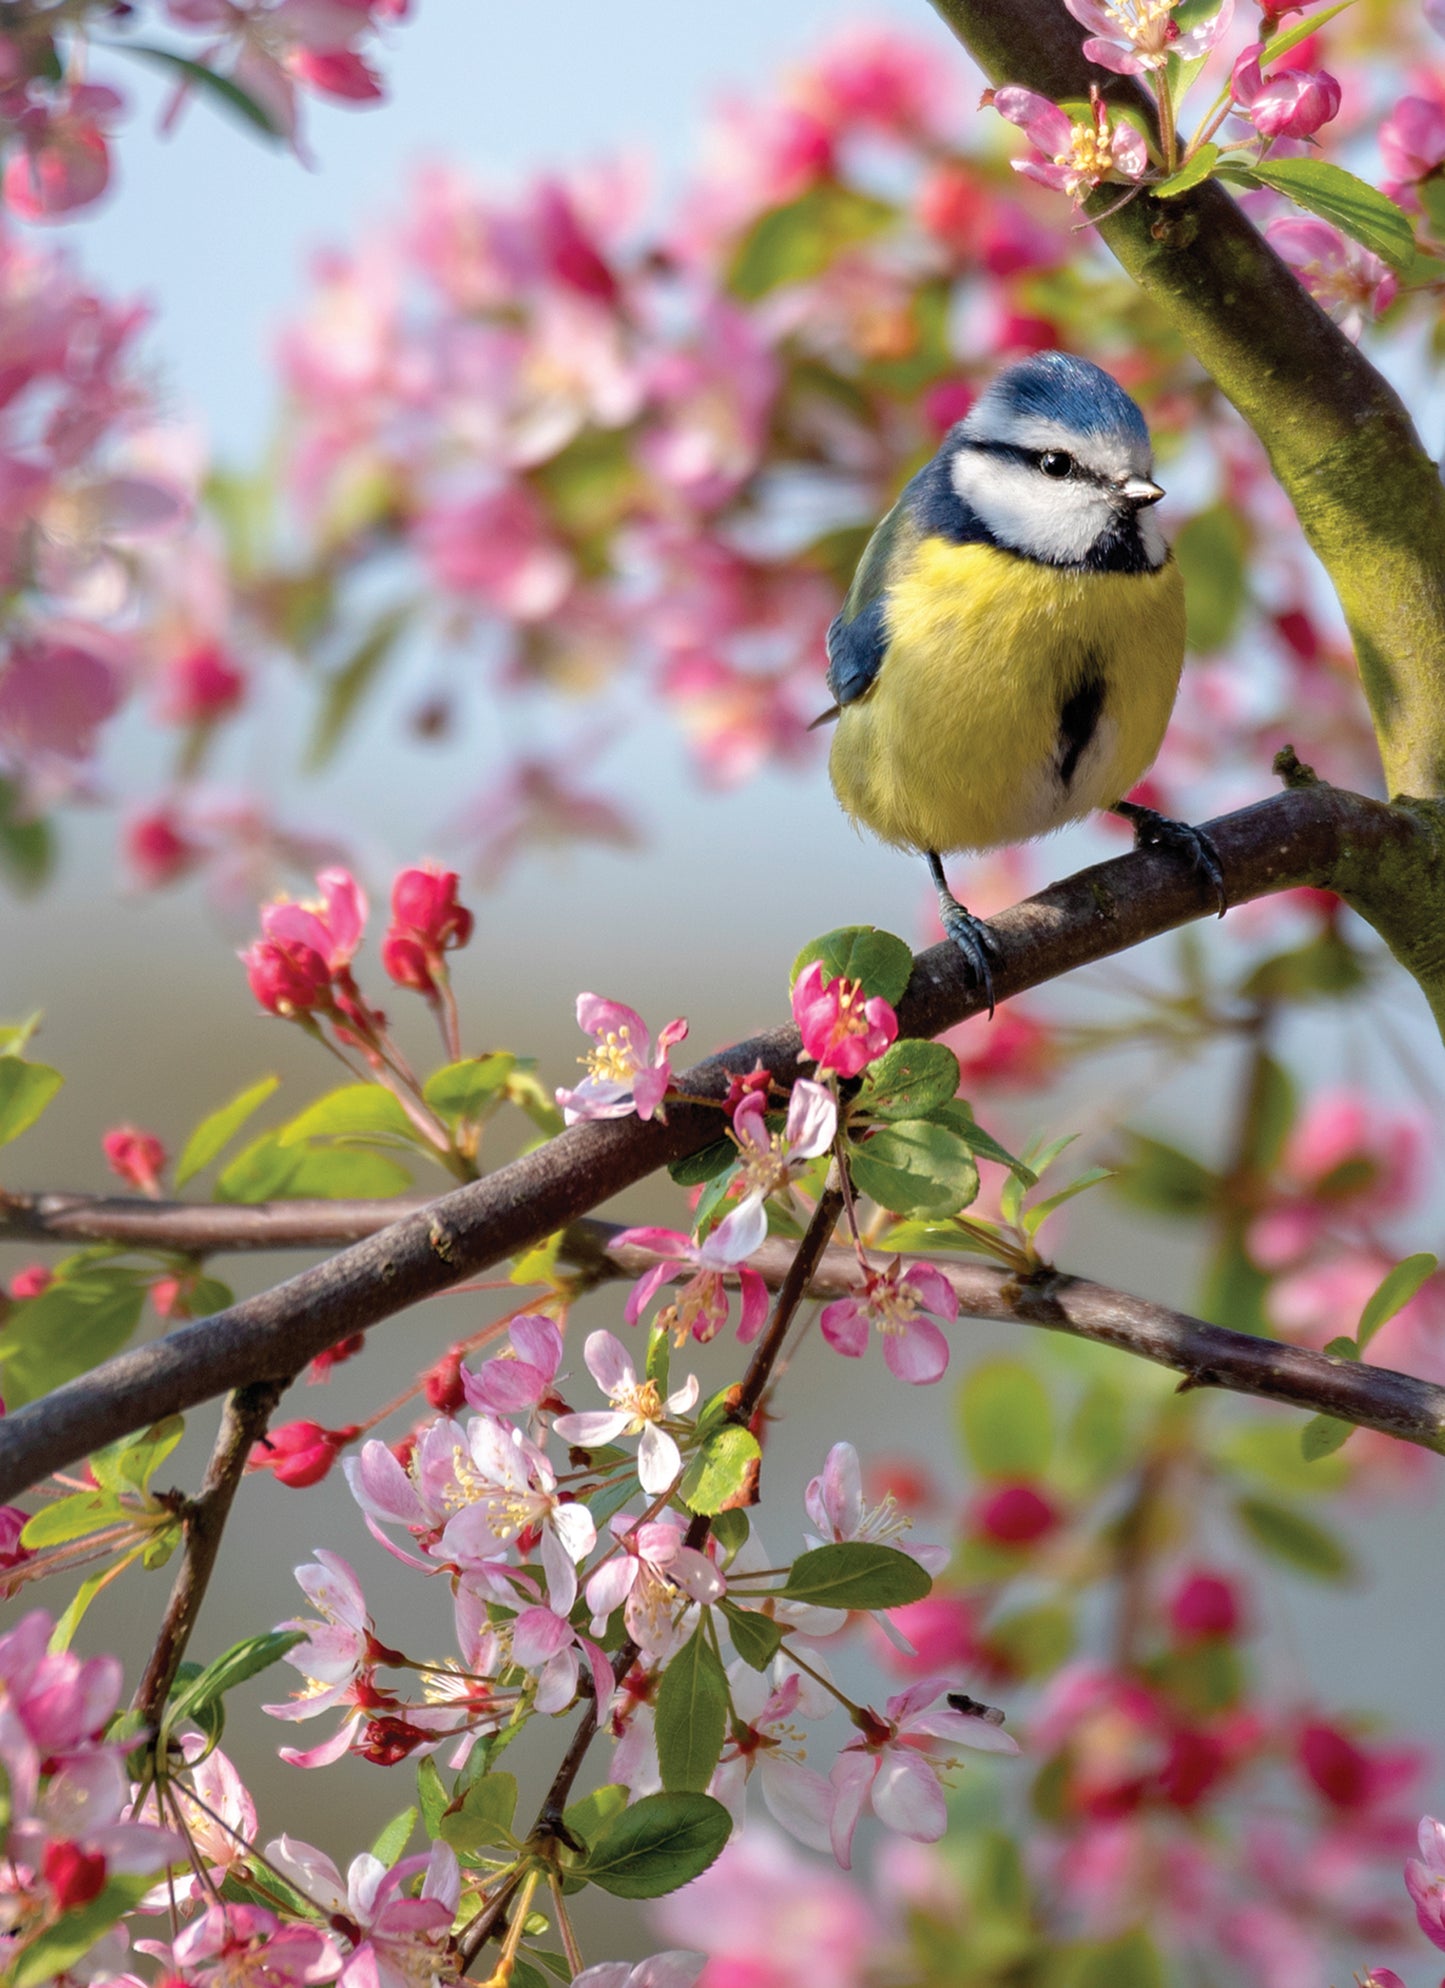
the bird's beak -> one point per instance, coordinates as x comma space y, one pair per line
1139, 490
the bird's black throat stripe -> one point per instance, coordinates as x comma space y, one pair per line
1078, 722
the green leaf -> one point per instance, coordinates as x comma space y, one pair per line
1033, 1642
67, 1624
705, 1165
721, 1471
59, 1947
25, 1090
351, 1112
15, 1037
1394, 1292
482, 1813
1322, 1435
1039, 1213
1007, 1419
657, 1845
692, 1715
228, 95
731, 1531
1131, 1961
67, 1330
1287, 1535
346, 687
1164, 1179
243, 1660
342, 1173
1269, 1453
915, 1166
432, 1796
262, 1171
1289, 38
470, 1090
908, 1080
853, 1573
981, 1144
755, 1636
70, 1518
1198, 169
1210, 549
134, 1460
796, 242
27, 842
881, 962
215, 1133
587, 1818
1325, 968
1339, 197
394, 1838
1341, 1349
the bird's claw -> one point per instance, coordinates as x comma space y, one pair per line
1156, 831
977, 944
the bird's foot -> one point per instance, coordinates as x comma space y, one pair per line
975, 941
1156, 831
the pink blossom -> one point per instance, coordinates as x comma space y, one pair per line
1352, 284
522, 1376
765, 1740
1014, 1516
286, 977
157, 850
890, 1767
248, 1947
1412, 142
766, 1161
136, 1157
546, 1644
403, 1940
220, 1819
626, 1072
338, 1648
703, 1305
1346, 1160
1132, 36
1425, 1880
51, 1707
331, 925
842, 1029
637, 1409
1291, 103
56, 691
898, 1302
498, 550
510, 1493
1204, 1606
63, 161
1072, 158
675, 1969
652, 1576
834, 1502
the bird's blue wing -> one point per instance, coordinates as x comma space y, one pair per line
859, 636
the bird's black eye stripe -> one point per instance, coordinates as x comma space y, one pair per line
1054, 462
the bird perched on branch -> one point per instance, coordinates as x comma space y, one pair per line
1009, 651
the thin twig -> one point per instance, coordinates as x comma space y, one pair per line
243, 1422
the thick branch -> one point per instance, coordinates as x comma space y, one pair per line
242, 1424
1368, 495
1317, 835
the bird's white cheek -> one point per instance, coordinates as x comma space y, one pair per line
1151, 537
1044, 519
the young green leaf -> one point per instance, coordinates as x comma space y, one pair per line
243, 1660
216, 1131
481, 1813
854, 1573
1339, 197
657, 1845
230, 96
469, 1090
1291, 37
722, 1470
392, 1841
908, 1080
1394, 1292
70, 1328
1287, 1535
1198, 169
755, 1636
354, 1111
1322, 1435
799, 240
431, 1795
346, 687
692, 1715
25, 1090
915, 1166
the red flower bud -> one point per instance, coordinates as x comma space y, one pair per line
385, 1741
1340, 1770
1204, 1605
406, 960
74, 1876
201, 686
286, 977
425, 901
32, 1280
442, 1384
332, 1356
301, 1453
1015, 1515
1196, 1761
136, 1156
157, 851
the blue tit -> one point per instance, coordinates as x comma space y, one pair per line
1009, 651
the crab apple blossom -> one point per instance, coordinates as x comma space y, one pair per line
1205, 1605
902, 1304
32, 1280
426, 922
834, 1502
508, 1491
248, 1946
1132, 36
674, 1969
301, 1453
400, 1940
889, 1768
329, 925
1352, 285
136, 1157
638, 1409
766, 1160
1412, 142
1015, 1515
652, 1575
842, 1029
627, 1072
287, 977
1071, 158
765, 1742
1425, 1880
703, 1306
1291, 103
201, 685
521, 1377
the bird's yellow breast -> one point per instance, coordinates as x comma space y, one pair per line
968, 738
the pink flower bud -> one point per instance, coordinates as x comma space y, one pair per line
286, 976
73, 1876
425, 901
201, 686
1341, 1771
300, 1453
136, 1156
32, 1280
333, 1356
339, 73
12, 1524
1204, 1606
442, 1384
406, 960
1292, 103
157, 851
1015, 1515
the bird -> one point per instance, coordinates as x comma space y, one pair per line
1007, 657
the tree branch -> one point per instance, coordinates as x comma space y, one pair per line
1316, 835
1339, 438
243, 1423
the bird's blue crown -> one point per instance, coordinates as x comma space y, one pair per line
1057, 386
